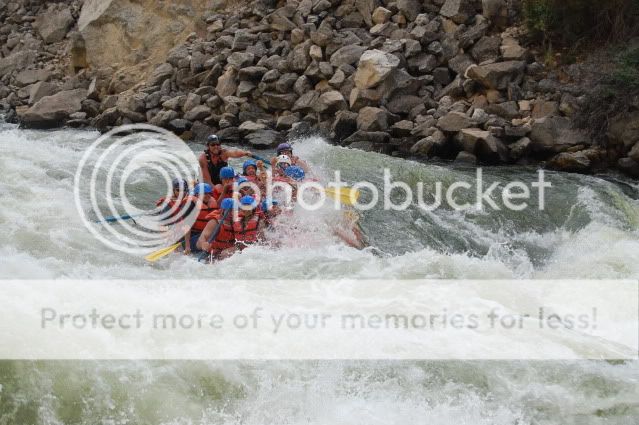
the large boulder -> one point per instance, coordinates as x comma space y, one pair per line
51, 111
329, 102
487, 148
226, 84
372, 119
18, 60
137, 34
555, 134
454, 121
347, 55
54, 23
263, 139
497, 75
623, 130
574, 162
374, 66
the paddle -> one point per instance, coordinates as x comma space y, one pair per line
215, 232
346, 195
114, 218
156, 255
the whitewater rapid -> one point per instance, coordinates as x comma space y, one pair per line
589, 230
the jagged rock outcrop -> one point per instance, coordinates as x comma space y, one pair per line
444, 78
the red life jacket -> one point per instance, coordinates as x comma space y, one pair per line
246, 232
201, 218
225, 237
173, 207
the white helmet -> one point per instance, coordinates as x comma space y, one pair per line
283, 159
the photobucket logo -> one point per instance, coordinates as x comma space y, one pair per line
395, 195
121, 169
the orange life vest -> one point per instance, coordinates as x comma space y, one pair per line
246, 232
225, 237
201, 218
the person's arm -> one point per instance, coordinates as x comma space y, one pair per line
187, 243
302, 164
203, 240
235, 153
205, 169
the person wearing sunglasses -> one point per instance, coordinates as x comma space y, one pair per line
214, 158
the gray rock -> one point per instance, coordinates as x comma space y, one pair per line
422, 64
629, 166
240, 59
226, 85
519, 149
345, 125
368, 136
486, 48
192, 100
347, 55
179, 125
366, 8
497, 75
329, 102
198, 113
508, 110
245, 88
403, 104
372, 119
106, 119
51, 111
243, 39
456, 10
286, 82
252, 73
555, 134
42, 89
263, 139
285, 122
18, 60
374, 66
162, 72
460, 63
54, 24
454, 121
573, 162
277, 101
466, 158
175, 103
30, 76
428, 147
306, 101
409, 8
302, 85
634, 152
402, 129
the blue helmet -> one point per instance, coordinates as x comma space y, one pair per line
227, 204
242, 180
248, 163
283, 147
248, 200
227, 173
179, 183
202, 188
295, 172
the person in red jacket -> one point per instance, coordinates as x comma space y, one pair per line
201, 203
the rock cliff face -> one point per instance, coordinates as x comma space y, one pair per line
132, 36
434, 78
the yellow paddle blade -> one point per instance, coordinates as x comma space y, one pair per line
156, 255
346, 195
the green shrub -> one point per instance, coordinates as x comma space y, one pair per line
573, 21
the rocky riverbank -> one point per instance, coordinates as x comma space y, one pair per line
448, 79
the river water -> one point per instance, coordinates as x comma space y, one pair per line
589, 229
